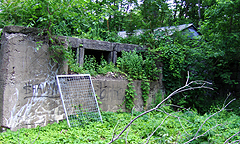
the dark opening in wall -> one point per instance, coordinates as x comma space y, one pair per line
98, 54
119, 54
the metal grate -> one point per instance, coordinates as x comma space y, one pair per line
79, 99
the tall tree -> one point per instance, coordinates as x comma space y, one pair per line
154, 13
221, 28
190, 11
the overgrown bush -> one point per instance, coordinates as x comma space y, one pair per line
91, 66
133, 64
137, 68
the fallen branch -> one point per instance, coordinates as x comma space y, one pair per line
198, 84
202, 134
156, 129
232, 137
195, 137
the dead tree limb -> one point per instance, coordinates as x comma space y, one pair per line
37, 136
202, 134
168, 114
195, 137
231, 137
156, 129
198, 84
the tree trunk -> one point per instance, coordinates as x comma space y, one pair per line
199, 11
186, 6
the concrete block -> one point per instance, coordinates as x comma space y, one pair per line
112, 94
126, 47
97, 45
27, 79
81, 56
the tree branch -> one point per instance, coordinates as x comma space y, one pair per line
212, 116
231, 137
37, 136
195, 137
156, 129
186, 87
202, 134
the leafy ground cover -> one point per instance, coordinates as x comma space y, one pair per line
178, 128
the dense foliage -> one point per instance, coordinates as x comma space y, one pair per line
213, 57
173, 130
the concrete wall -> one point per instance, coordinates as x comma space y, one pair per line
28, 91
112, 94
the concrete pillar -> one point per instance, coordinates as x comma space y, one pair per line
81, 56
114, 60
65, 63
78, 55
110, 57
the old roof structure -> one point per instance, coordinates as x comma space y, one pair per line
169, 30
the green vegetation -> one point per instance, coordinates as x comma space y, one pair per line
129, 95
91, 66
137, 68
170, 131
131, 64
145, 86
213, 56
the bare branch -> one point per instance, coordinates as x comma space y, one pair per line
18, 136
226, 99
175, 106
114, 130
187, 87
202, 134
177, 136
182, 126
113, 139
212, 116
156, 129
180, 121
192, 88
231, 137
195, 137
168, 114
187, 78
235, 141
173, 115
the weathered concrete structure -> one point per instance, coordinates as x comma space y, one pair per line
28, 89
112, 94
109, 50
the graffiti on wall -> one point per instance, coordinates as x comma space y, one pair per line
108, 90
45, 89
38, 99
